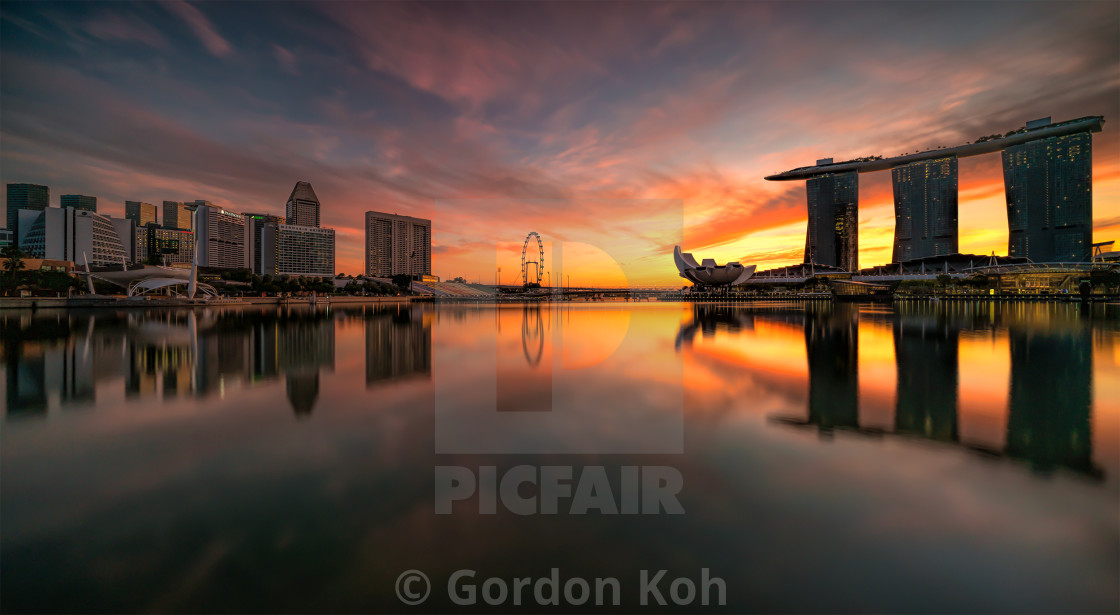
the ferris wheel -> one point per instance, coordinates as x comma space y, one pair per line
527, 259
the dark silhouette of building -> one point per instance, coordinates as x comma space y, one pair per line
1047, 175
1051, 399
833, 234
925, 209
832, 349
303, 206
78, 201
25, 196
926, 353
303, 390
1049, 187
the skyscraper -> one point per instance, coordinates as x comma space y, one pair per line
78, 201
177, 214
1049, 186
832, 237
25, 196
140, 213
73, 234
925, 209
254, 230
220, 235
296, 250
397, 245
302, 208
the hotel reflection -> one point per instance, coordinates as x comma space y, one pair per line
165, 355
398, 344
1045, 426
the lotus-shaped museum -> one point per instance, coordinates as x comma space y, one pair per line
709, 273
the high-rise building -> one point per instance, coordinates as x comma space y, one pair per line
221, 237
140, 213
25, 196
925, 209
397, 245
70, 234
171, 246
78, 201
254, 228
832, 237
1049, 187
302, 208
177, 214
296, 250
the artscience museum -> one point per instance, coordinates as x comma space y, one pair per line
708, 273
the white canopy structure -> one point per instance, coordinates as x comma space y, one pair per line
709, 273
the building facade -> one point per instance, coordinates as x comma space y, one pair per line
171, 246
221, 237
397, 245
77, 235
833, 233
302, 208
140, 213
126, 233
78, 201
925, 209
1049, 187
31, 197
177, 214
254, 229
289, 249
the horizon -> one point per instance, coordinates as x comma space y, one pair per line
497, 120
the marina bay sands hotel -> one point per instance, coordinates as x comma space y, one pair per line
1047, 176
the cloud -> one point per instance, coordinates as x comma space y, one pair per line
205, 31
286, 59
121, 27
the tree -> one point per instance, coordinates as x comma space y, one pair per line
402, 280
13, 262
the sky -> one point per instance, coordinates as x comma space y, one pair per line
614, 130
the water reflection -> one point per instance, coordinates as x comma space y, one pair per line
61, 359
1050, 385
152, 462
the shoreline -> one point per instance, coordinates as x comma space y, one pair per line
33, 303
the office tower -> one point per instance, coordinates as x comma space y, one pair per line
141, 237
177, 215
1049, 186
397, 245
925, 209
70, 234
78, 201
254, 227
302, 208
220, 235
832, 237
140, 213
169, 245
297, 250
7, 238
25, 196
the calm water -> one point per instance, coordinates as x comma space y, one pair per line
933, 458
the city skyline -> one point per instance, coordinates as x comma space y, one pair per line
675, 108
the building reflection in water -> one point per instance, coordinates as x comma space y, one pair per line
1050, 388
398, 344
165, 353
